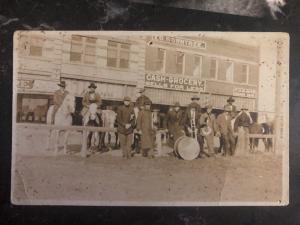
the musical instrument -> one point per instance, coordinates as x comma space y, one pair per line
193, 125
186, 148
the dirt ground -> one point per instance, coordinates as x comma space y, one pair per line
101, 179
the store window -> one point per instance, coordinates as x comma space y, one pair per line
31, 45
118, 54
33, 108
83, 49
225, 70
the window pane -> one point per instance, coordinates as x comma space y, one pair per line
253, 75
76, 38
125, 46
112, 53
76, 47
160, 59
91, 40
179, 62
197, 66
75, 57
124, 55
112, 62
124, 63
240, 73
112, 44
35, 51
213, 68
89, 59
225, 71
90, 50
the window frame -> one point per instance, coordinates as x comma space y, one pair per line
83, 52
118, 58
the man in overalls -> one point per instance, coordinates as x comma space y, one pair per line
58, 98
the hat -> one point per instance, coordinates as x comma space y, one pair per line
92, 85
230, 99
127, 98
209, 106
195, 97
227, 108
244, 107
62, 84
176, 104
141, 90
148, 103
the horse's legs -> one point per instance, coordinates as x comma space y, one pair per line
48, 139
66, 141
56, 140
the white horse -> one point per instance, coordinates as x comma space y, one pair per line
109, 118
92, 118
63, 117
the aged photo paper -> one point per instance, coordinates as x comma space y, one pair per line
150, 118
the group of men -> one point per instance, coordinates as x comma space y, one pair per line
199, 123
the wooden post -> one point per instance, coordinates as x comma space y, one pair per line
84, 144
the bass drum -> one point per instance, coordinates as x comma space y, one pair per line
186, 148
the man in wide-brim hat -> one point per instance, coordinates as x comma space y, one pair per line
91, 96
145, 127
58, 98
126, 123
230, 104
142, 98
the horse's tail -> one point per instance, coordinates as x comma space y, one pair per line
49, 114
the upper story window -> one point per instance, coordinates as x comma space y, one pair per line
83, 49
32, 45
241, 73
225, 70
213, 68
179, 62
118, 54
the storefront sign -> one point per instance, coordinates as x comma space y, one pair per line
244, 92
180, 41
174, 82
27, 84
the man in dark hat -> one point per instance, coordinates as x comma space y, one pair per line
230, 104
173, 121
142, 98
190, 123
146, 128
225, 132
91, 96
125, 123
58, 98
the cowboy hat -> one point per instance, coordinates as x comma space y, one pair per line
176, 104
195, 97
92, 85
62, 84
127, 98
230, 99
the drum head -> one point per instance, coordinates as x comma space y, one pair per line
188, 148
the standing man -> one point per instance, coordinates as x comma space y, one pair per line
126, 122
230, 104
225, 132
91, 96
58, 98
190, 123
146, 127
208, 127
142, 98
173, 122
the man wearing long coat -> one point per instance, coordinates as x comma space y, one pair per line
125, 123
225, 131
58, 98
147, 130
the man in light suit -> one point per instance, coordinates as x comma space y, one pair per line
224, 130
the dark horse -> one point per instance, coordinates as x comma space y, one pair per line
261, 128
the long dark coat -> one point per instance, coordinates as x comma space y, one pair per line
173, 121
144, 124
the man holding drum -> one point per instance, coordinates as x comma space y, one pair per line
190, 123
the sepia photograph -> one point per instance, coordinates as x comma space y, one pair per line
120, 118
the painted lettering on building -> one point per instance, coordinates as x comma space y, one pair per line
180, 41
27, 84
174, 82
244, 92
